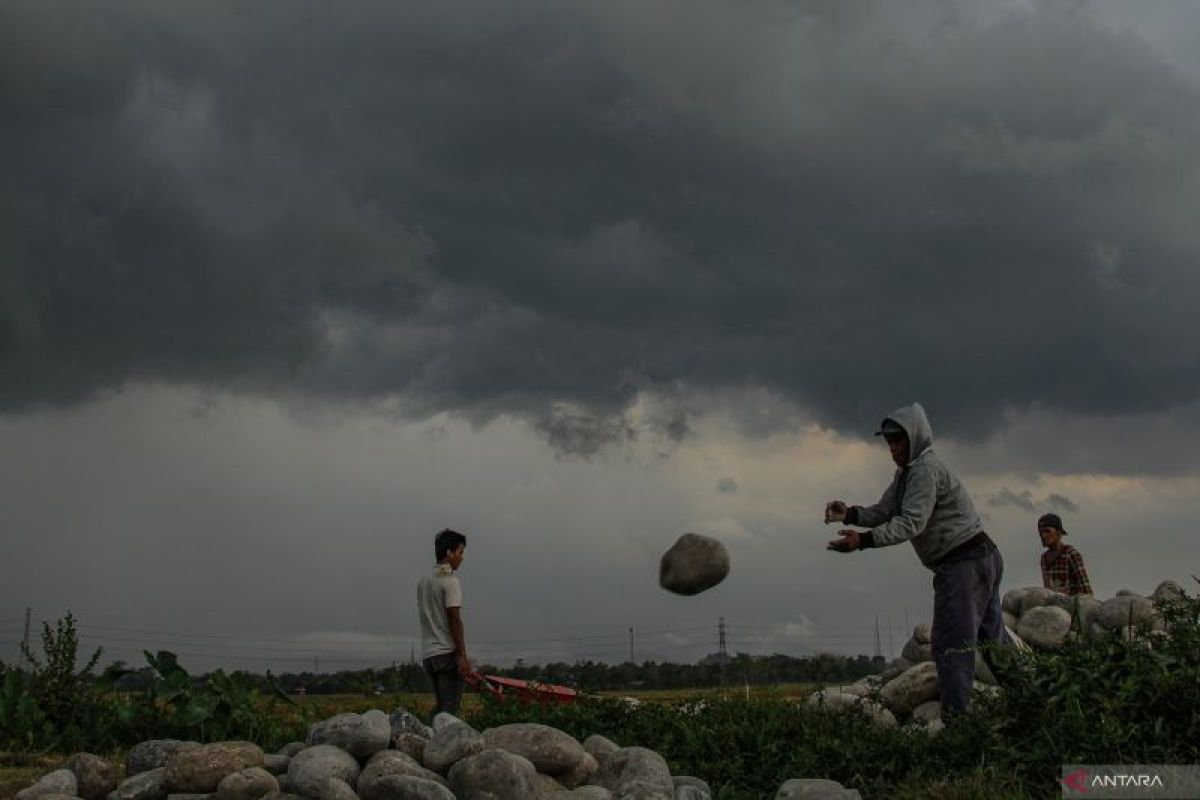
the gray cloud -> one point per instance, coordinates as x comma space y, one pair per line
1025, 501
553, 210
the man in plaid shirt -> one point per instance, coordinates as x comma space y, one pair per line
1062, 566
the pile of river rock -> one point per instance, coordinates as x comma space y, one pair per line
375, 756
1036, 618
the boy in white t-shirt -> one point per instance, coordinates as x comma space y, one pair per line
439, 608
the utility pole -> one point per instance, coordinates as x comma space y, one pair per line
25, 645
721, 633
878, 644
631, 644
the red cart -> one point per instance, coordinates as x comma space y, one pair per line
525, 691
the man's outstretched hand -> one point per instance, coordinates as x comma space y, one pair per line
848, 543
835, 511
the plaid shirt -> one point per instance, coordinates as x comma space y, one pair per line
1064, 571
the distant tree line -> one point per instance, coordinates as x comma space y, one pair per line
585, 675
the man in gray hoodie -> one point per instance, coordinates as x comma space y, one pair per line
928, 506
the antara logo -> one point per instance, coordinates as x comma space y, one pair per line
1076, 781
1123, 781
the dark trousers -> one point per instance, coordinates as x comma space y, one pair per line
447, 683
966, 613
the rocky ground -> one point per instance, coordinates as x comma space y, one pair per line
376, 756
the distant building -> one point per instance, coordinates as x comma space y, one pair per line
716, 658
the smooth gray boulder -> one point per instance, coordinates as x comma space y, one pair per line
693, 564
275, 763
401, 721
154, 753
148, 785
1018, 601
246, 784
635, 771
1045, 627
550, 750
60, 781
896, 668
1167, 591
360, 735
410, 744
451, 743
581, 793
688, 787
600, 747
1010, 620
95, 776
917, 685
547, 784
1124, 611
335, 789
493, 775
815, 789
831, 699
201, 769
291, 748
579, 774
915, 652
314, 764
391, 762
410, 787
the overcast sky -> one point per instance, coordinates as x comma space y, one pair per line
286, 287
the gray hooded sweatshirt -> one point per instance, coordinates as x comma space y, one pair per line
925, 504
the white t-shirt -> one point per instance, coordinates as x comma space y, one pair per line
436, 593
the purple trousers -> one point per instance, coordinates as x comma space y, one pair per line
966, 613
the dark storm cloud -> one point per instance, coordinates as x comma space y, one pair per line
546, 209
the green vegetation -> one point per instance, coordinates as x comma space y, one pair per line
1106, 699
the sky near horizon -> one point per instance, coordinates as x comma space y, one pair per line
285, 288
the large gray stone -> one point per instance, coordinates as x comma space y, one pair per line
96, 777
275, 763
60, 781
360, 735
915, 686
401, 721
410, 787
335, 789
691, 788
1124, 611
246, 784
148, 785
635, 771
815, 789
547, 784
693, 564
409, 743
549, 750
600, 747
154, 753
201, 769
314, 764
391, 762
831, 699
291, 748
1167, 591
493, 775
1045, 627
580, 793
450, 744
581, 773
915, 652
1018, 601
896, 668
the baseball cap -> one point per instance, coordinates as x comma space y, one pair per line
890, 427
1051, 521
